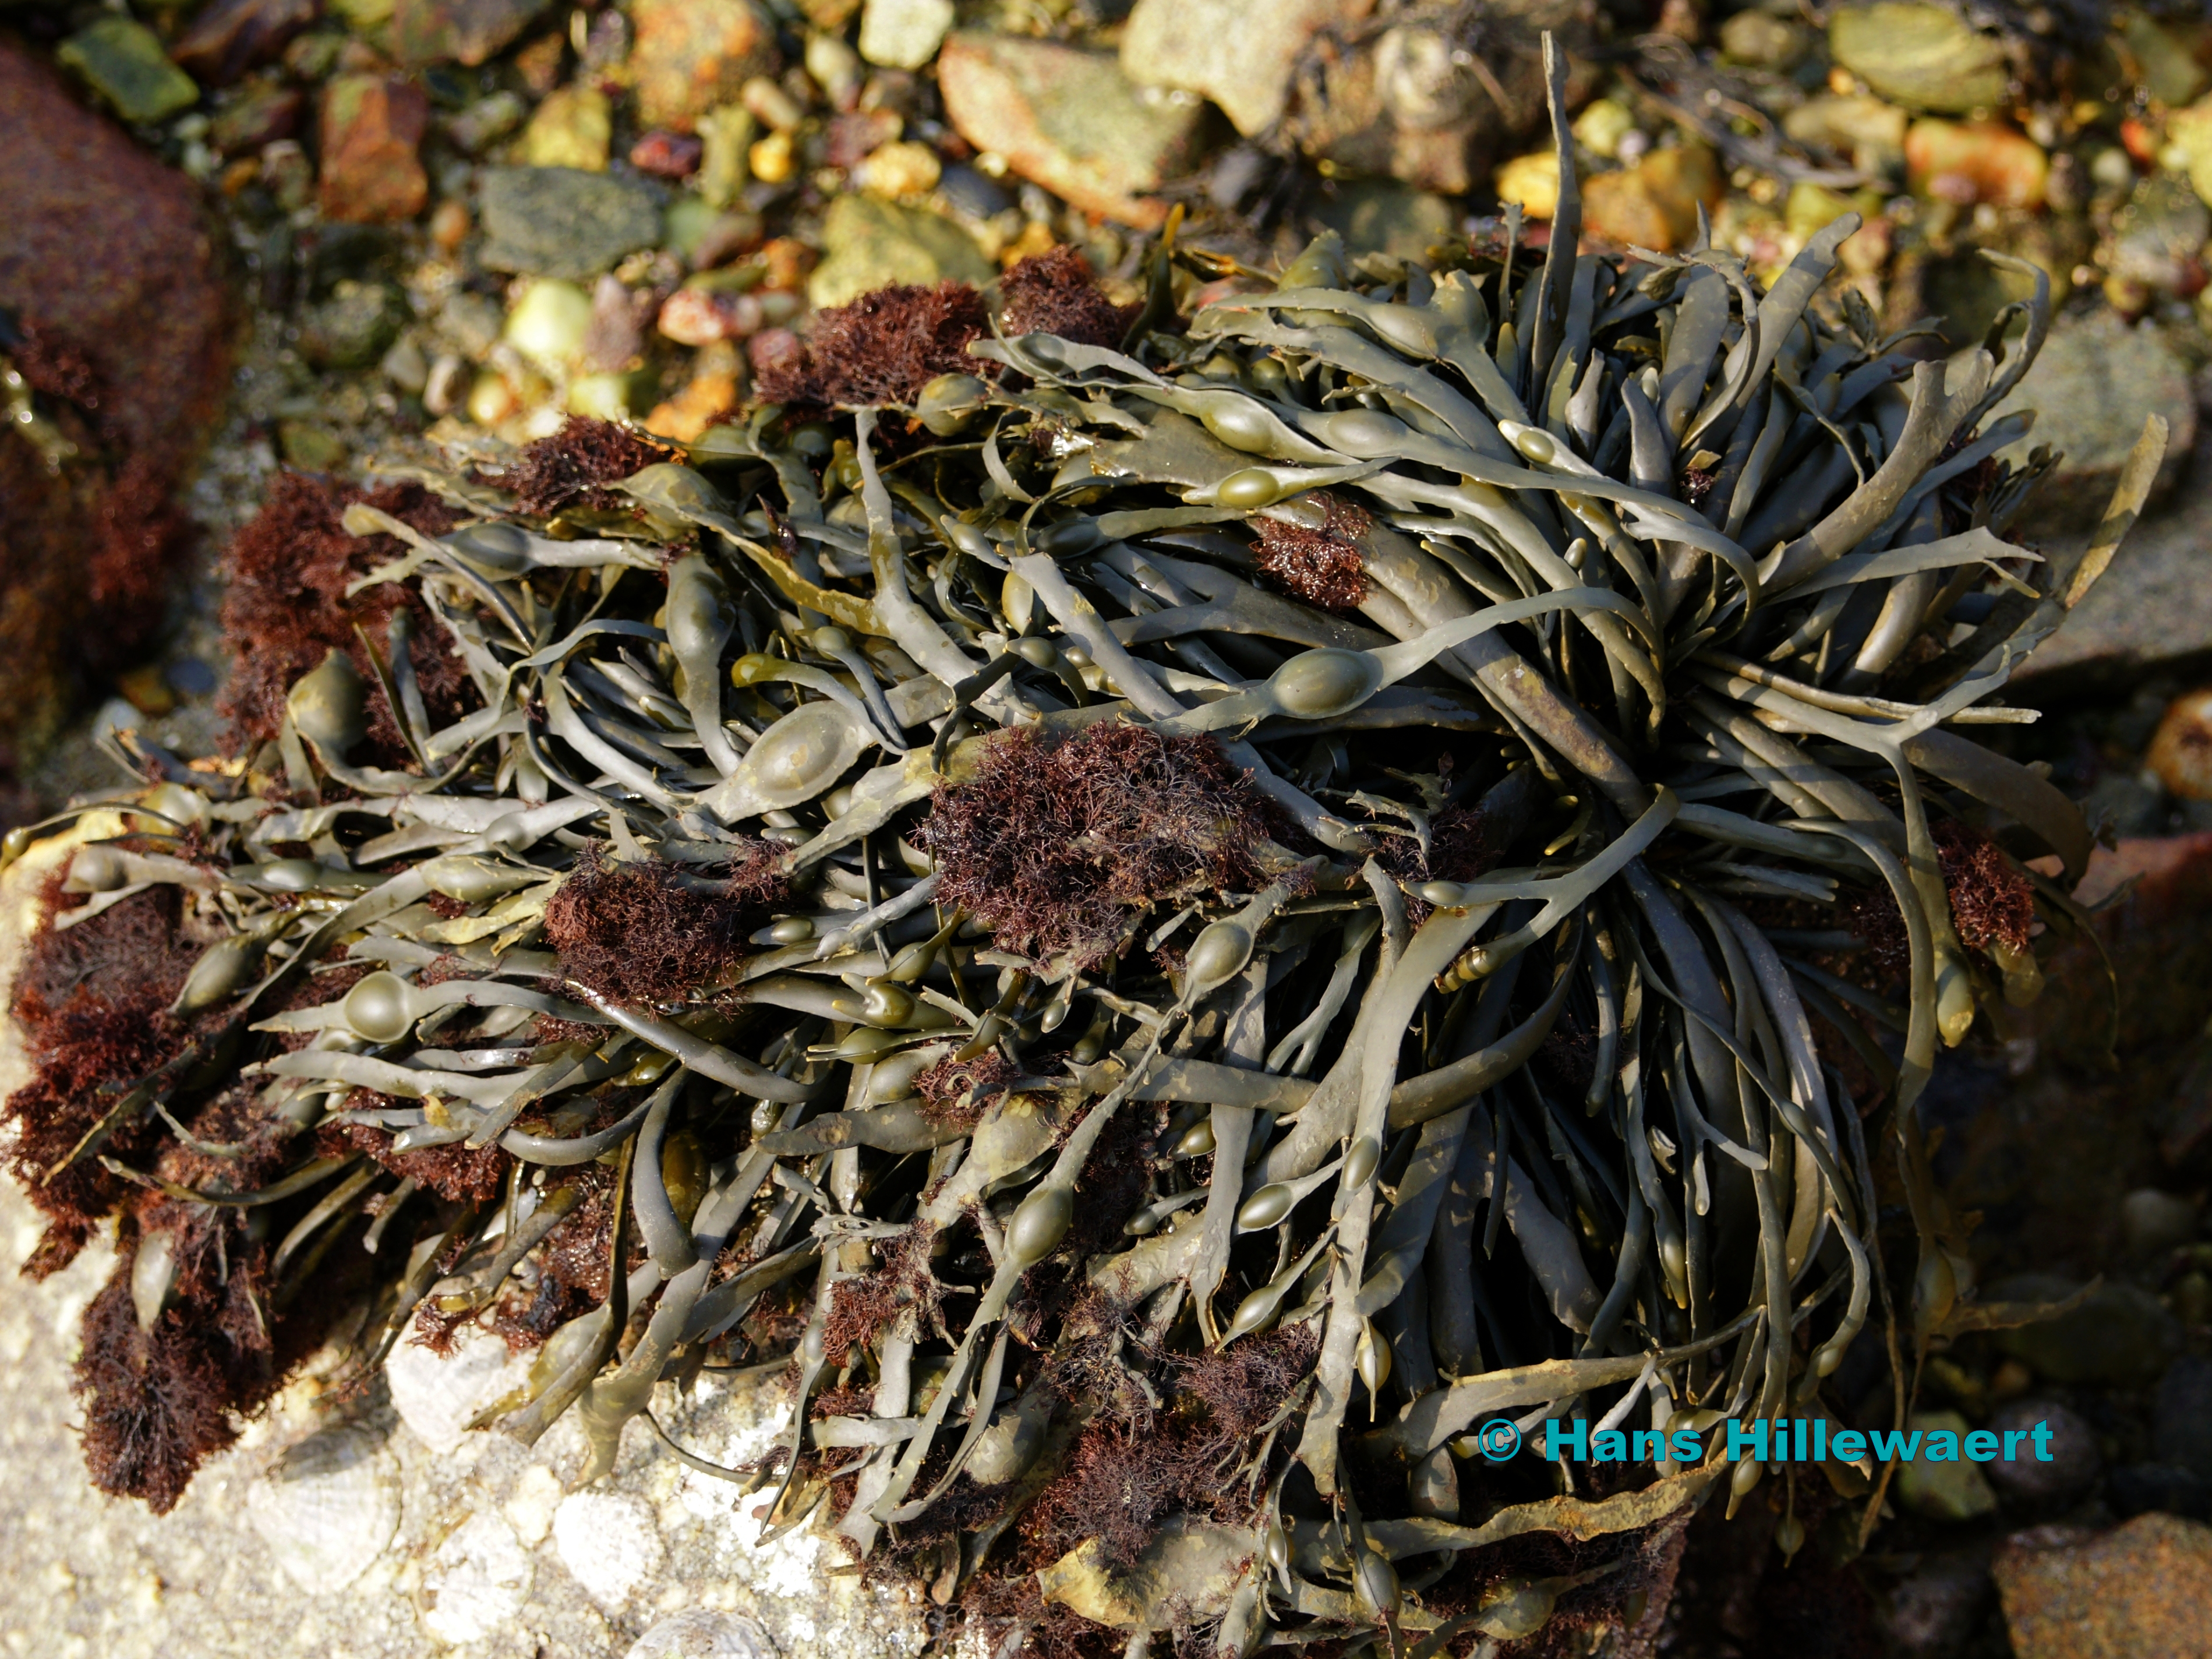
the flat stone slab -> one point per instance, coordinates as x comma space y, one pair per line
2152, 608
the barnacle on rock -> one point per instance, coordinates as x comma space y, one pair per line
1170, 962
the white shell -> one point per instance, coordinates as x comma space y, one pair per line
698, 1633
609, 1541
437, 1395
477, 1583
327, 1508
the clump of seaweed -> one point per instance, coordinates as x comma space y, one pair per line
968, 933
1313, 554
881, 349
650, 933
1054, 846
288, 600
1056, 292
575, 465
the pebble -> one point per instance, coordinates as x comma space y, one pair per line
1966, 162
2181, 750
1240, 53
327, 1508
260, 114
530, 1508
609, 1541
1655, 203
573, 128
699, 316
1764, 41
2140, 1590
233, 36
1868, 130
2158, 238
1394, 218
466, 32
485, 122
1532, 180
2182, 1416
561, 221
550, 323
667, 154
124, 62
189, 676
351, 328
1922, 56
867, 242
2190, 131
372, 132
690, 55
1070, 120
903, 34
898, 170
2092, 387
2076, 1461
1930, 1612
2153, 1222
1953, 1491
700, 1633
475, 1583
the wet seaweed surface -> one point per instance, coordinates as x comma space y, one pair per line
1171, 912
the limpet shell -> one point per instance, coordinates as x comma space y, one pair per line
327, 1508
700, 1633
609, 1541
476, 1582
435, 1395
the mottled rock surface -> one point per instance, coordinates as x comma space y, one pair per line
1070, 120
2138, 1591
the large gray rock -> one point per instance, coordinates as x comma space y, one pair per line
2152, 610
559, 222
2092, 388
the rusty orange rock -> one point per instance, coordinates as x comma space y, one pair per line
372, 131
1655, 203
1965, 162
691, 55
2181, 751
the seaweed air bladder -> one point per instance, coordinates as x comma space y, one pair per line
1173, 920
